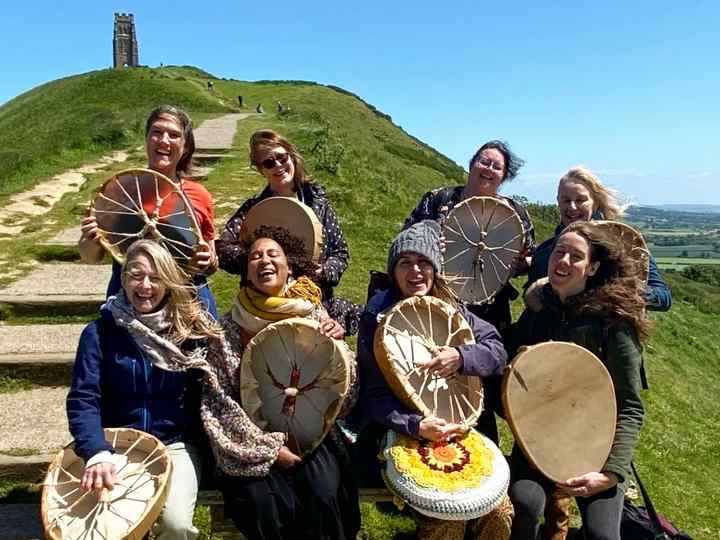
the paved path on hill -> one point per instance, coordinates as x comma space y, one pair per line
34, 419
218, 133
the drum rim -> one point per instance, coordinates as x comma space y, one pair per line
609, 223
314, 251
189, 209
515, 217
512, 423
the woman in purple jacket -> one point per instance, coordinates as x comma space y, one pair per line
414, 264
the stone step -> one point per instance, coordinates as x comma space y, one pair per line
65, 238
217, 133
25, 468
208, 158
43, 353
199, 173
34, 426
65, 288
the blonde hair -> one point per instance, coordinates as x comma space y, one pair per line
188, 319
606, 201
267, 140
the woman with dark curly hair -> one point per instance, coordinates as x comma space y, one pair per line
269, 491
282, 165
594, 299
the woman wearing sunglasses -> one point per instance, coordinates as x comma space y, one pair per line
284, 169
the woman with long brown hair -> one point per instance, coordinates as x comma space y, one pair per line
594, 299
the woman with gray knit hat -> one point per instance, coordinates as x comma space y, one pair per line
414, 263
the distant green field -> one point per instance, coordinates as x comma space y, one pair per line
678, 263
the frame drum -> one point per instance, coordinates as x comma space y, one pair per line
140, 203
290, 214
483, 236
128, 510
559, 400
408, 333
294, 380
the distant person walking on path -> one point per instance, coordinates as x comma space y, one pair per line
210, 86
240, 101
284, 169
169, 145
259, 109
131, 370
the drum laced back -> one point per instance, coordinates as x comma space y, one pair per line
141, 203
409, 333
127, 511
483, 237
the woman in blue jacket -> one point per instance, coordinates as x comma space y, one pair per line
132, 370
582, 197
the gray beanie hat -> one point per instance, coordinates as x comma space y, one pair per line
422, 238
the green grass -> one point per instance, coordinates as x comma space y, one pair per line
66, 122
10, 385
375, 174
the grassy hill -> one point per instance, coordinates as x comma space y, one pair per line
374, 173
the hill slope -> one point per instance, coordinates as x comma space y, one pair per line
374, 173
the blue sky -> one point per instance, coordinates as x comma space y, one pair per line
629, 89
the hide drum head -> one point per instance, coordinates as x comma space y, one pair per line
483, 236
140, 203
290, 214
407, 334
128, 510
560, 403
294, 380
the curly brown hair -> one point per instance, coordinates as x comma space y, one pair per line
616, 289
292, 246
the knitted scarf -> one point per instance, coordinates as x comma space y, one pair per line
147, 331
253, 310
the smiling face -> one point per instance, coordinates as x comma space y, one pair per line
487, 172
143, 287
164, 145
575, 202
414, 275
268, 267
570, 265
277, 166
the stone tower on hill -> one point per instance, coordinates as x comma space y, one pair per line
125, 48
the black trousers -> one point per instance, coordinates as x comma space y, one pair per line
529, 491
316, 499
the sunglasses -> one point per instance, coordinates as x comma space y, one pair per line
275, 160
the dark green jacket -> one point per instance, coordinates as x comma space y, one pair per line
614, 342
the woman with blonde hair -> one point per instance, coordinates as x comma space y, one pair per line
283, 167
582, 197
134, 368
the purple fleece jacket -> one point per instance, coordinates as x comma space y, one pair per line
378, 404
